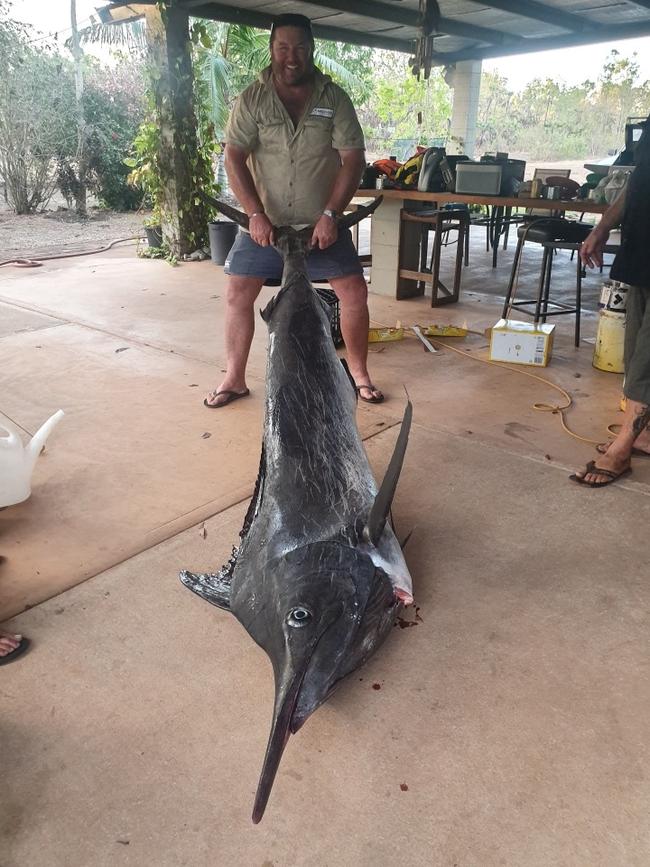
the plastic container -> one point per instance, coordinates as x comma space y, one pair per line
17, 461
334, 310
222, 237
610, 339
154, 236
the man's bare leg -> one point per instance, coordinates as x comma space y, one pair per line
241, 293
634, 432
352, 292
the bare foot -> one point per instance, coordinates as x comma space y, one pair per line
8, 643
641, 445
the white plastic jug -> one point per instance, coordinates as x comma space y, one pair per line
17, 461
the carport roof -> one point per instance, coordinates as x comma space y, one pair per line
463, 30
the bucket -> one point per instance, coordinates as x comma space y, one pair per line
222, 237
610, 338
154, 236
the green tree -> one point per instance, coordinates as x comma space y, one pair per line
551, 121
403, 108
37, 106
114, 107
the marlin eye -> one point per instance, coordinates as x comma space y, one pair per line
299, 617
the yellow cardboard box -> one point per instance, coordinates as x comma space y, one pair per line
521, 342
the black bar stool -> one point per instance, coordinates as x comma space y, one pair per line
552, 233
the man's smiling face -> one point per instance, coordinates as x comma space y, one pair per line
291, 56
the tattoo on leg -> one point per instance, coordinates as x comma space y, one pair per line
641, 420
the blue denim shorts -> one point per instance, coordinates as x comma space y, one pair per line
248, 259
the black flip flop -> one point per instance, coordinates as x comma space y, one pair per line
370, 387
14, 654
592, 468
232, 395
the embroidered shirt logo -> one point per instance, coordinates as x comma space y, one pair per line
323, 112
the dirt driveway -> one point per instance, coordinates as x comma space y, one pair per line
59, 229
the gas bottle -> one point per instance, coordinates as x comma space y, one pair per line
610, 339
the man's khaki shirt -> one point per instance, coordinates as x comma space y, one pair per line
294, 168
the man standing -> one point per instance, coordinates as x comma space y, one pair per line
294, 156
632, 265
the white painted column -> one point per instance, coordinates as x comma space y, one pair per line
466, 82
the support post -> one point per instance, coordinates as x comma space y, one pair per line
184, 223
466, 81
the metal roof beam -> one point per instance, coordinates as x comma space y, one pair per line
529, 46
237, 15
541, 12
411, 18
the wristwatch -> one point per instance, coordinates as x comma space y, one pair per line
328, 212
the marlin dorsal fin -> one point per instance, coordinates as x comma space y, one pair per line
381, 507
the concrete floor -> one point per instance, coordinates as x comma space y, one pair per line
510, 726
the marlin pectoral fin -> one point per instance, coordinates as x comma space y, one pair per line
226, 210
359, 214
381, 507
214, 587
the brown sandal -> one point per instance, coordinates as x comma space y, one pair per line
232, 395
377, 397
592, 468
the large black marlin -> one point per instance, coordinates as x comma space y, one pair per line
319, 576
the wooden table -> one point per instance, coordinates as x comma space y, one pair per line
386, 223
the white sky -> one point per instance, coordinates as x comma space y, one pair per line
569, 66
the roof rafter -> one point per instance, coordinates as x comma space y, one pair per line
411, 18
550, 43
541, 12
237, 15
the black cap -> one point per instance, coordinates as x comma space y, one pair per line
290, 19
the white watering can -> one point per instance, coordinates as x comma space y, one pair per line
17, 461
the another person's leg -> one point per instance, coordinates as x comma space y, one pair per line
241, 293
11, 647
634, 434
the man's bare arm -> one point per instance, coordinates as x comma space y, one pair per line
591, 251
243, 186
353, 162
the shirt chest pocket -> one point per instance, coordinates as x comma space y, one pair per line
273, 136
317, 134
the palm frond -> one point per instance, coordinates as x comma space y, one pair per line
336, 69
215, 72
129, 35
